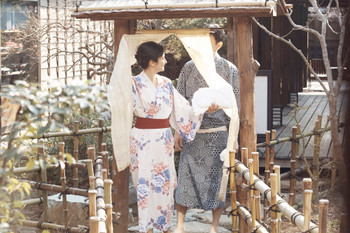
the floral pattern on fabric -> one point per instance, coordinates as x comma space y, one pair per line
152, 150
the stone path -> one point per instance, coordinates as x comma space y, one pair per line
196, 221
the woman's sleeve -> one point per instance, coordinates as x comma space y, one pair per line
183, 119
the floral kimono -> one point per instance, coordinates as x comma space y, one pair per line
152, 150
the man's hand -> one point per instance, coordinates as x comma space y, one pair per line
178, 141
212, 108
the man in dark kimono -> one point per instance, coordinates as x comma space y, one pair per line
200, 167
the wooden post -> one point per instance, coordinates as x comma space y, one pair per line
273, 177
104, 146
315, 162
251, 192
121, 178
43, 175
322, 218
247, 67
104, 174
100, 136
233, 192
292, 167
64, 184
272, 151
257, 193
242, 194
76, 154
307, 209
343, 223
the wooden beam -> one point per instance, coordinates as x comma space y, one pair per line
247, 67
257, 11
120, 193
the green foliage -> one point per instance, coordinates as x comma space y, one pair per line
42, 111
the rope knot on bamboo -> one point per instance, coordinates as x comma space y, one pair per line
294, 216
273, 209
63, 193
265, 192
251, 187
256, 229
231, 169
231, 213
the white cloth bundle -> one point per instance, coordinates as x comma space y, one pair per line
204, 97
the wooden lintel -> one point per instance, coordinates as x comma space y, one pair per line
257, 11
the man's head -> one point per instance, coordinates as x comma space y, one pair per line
216, 37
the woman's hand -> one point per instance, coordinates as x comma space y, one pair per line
212, 108
178, 141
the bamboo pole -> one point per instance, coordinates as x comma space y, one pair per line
233, 191
57, 188
104, 146
255, 156
277, 170
322, 218
315, 162
91, 154
104, 174
247, 217
76, 154
307, 209
267, 157
33, 201
100, 136
92, 182
304, 135
105, 160
90, 167
273, 177
267, 170
92, 203
64, 184
52, 226
94, 225
43, 175
307, 184
108, 191
272, 150
292, 168
242, 194
287, 210
251, 192
109, 218
100, 203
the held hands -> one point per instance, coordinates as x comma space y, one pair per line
178, 141
212, 108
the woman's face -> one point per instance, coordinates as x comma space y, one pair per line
159, 66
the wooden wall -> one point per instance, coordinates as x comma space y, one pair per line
288, 70
61, 36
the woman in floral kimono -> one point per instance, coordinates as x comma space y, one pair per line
157, 105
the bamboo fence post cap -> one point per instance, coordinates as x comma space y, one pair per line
92, 191
232, 151
323, 202
108, 181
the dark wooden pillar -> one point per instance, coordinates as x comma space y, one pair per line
120, 192
231, 41
247, 67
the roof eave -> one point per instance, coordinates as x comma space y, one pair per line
167, 13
